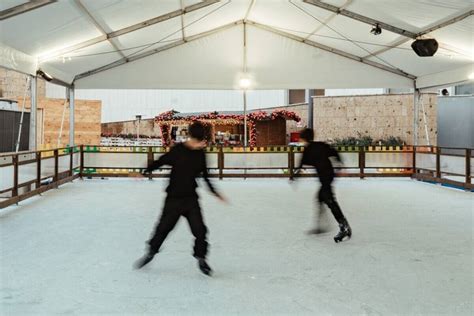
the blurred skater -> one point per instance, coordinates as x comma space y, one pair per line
188, 161
317, 154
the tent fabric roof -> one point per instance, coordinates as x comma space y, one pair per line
211, 44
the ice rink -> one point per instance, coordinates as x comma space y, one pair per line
71, 251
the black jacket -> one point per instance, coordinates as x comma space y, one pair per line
317, 154
186, 164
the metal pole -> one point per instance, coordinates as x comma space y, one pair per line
416, 94
425, 123
20, 129
309, 93
33, 112
62, 118
138, 118
245, 119
71, 116
138, 130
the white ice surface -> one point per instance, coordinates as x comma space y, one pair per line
71, 251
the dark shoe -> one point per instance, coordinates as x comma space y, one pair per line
144, 260
344, 231
204, 267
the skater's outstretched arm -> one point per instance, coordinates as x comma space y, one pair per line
333, 153
302, 162
166, 159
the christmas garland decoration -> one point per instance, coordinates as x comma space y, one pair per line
166, 119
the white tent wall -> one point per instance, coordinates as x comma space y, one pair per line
282, 62
121, 105
212, 62
216, 62
446, 78
13, 59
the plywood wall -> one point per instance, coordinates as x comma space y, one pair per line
148, 127
87, 121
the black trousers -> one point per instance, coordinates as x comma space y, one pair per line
175, 208
326, 196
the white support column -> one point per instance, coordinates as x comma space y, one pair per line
33, 112
71, 116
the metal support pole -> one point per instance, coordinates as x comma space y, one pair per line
416, 98
138, 131
425, 122
62, 118
71, 116
309, 93
245, 119
20, 129
33, 112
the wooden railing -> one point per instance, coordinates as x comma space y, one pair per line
50, 168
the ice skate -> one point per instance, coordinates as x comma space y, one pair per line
140, 263
345, 231
204, 267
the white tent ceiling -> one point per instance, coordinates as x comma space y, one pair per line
288, 43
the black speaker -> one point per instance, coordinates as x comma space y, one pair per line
425, 47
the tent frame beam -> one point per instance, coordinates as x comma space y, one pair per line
258, 25
436, 26
329, 19
86, 12
157, 50
332, 50
183, 34
23, 8
448, 22
132, 28
360, 18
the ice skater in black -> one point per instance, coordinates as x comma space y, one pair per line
317, 154
188, 161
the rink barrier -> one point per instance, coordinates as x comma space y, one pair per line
43, 169
28, 173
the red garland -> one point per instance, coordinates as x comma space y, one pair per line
252, 119
165, 135
253, 133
